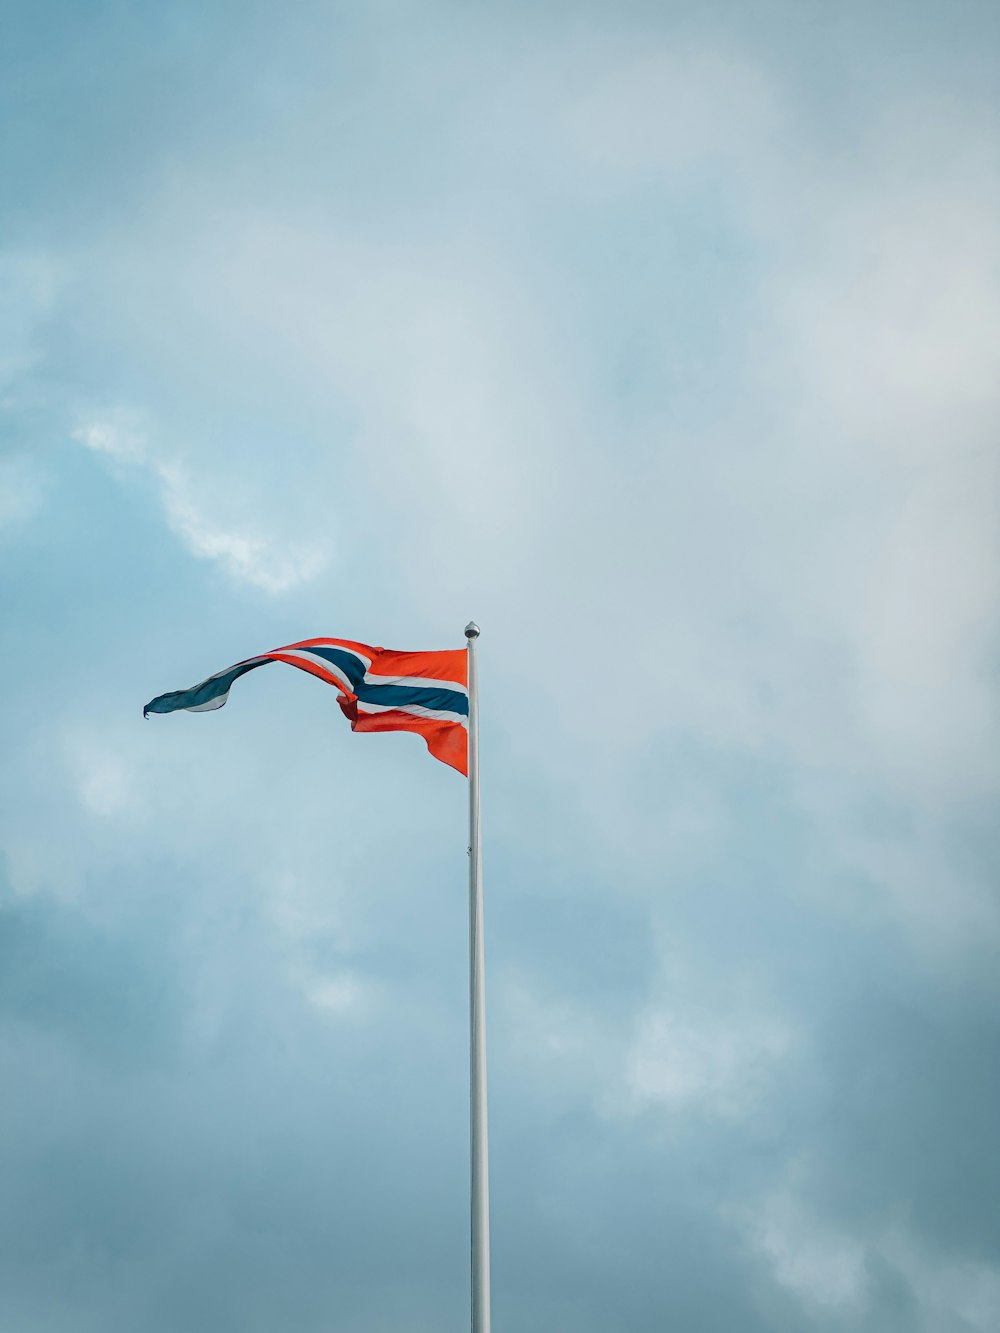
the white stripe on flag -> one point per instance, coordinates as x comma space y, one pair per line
416, 680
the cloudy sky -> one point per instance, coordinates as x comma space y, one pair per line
664, 340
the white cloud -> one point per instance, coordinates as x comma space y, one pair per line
104, 784
816, 577
888, 330
670, 1060
29, 285
721, 1064
247, 554
341, 996
851, 504
828, 1267
893, 305
22, 487
119, 434
966, 1290
249, 550
819, 1264
658, 109
443, 359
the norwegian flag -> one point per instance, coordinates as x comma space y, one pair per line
379, 690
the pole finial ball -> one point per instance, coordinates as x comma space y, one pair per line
472, 630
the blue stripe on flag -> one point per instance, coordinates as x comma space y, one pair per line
398, 696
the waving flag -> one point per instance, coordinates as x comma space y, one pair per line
379, 690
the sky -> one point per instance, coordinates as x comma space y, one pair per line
662, 340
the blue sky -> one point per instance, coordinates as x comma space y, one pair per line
662, 341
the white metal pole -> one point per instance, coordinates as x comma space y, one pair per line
480, 1178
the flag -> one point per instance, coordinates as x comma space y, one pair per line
379, 690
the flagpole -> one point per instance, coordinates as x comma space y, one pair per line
479, 1144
